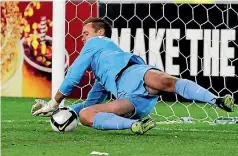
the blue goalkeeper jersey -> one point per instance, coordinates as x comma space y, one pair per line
106, 60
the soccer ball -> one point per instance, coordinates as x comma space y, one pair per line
63, 120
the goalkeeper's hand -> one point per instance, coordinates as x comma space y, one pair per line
44, 108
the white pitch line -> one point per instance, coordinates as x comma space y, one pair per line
9, 121
156, 128
194, 130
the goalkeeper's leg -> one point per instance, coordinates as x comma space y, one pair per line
156, 81
114, 116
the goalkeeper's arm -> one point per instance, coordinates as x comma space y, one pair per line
72, 79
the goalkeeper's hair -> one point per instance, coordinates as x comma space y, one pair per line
98, 23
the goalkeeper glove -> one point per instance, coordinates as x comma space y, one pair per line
44, 108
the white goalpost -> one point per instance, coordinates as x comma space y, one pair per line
58, 46
187, 39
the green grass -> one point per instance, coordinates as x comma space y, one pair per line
24, 135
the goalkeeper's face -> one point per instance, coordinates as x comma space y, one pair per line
88, 32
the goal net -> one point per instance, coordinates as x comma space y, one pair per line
192, 41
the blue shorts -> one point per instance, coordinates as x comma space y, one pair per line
130, 86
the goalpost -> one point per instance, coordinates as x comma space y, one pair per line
191, 40
58, 46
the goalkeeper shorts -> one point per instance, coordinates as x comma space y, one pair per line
130, 86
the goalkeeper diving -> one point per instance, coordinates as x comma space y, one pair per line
135, 85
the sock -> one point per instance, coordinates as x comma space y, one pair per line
77, 107
111, 121
192, 91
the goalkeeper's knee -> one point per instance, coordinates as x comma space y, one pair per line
86, 116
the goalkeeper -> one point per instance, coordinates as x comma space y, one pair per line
135, 85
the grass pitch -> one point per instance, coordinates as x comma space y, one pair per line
24, 135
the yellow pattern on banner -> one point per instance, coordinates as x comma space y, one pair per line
195, 1
26, 49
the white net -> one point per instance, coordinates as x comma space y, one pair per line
192, 41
